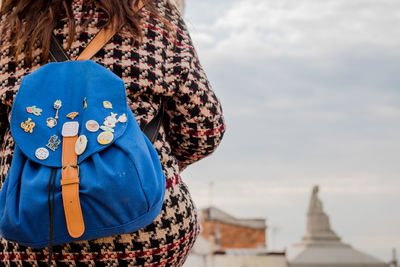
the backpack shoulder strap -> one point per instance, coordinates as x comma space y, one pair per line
152, 128
57, 54
100, 40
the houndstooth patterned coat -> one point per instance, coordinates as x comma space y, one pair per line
164, 66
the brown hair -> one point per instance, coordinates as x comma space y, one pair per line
28, 24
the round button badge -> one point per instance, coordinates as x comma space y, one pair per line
92, 126
41, 153
81, 144
105, 138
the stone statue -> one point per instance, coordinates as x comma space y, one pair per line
321, 247
315, 203
318, 226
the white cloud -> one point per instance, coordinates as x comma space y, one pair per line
204, 38
307, 27
386, 111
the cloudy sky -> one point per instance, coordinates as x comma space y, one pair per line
310, 91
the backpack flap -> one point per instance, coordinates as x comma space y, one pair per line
56, 94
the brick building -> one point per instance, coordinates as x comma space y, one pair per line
227, 232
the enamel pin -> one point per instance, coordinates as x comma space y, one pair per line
122, 118
57, 106
28, 125
92, 126
72, 115
105, 138
51, 122
70, 129
81, 144
34, 110
53, 143
109, 123
107, 104
41, 153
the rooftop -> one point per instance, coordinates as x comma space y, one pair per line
215, 214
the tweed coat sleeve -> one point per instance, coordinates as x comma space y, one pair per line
196, 123
4, 111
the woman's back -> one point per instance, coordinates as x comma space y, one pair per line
163, 67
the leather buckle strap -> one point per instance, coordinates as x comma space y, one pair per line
70, 188
69, 181
71, 166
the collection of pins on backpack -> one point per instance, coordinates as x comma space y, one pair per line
104, 138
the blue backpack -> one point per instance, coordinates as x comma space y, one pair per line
82, 168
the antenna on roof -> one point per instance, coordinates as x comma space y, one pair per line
275, 229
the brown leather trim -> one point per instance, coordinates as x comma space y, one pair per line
100, 40
70, 188
70, 170
67, 181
